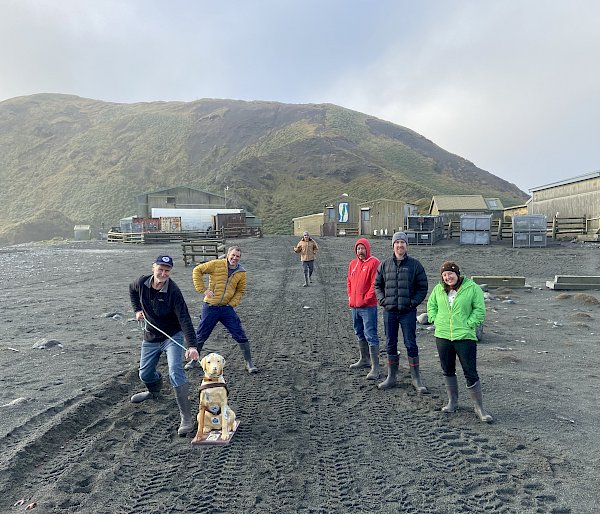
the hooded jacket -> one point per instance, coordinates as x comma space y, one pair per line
361, 276
458, 321
227, 289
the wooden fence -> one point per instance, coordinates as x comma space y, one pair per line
187, 235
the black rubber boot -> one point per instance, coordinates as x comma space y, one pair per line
475, 391
182, 395
152, 393
374, 353
390, 381
363, 361
248, 357
413, 363
452, 390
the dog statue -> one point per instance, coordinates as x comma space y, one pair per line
214, 412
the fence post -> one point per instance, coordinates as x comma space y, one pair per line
554, 226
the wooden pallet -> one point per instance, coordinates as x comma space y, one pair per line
574, 282
214, 437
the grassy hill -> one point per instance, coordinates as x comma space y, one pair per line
88, 159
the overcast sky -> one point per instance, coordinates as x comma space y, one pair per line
511, 85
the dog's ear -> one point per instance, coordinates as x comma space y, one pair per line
203, 362
224, 362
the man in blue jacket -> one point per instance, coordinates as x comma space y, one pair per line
400, 286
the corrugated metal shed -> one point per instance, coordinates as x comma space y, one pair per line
574, 197
180, 197
82, 232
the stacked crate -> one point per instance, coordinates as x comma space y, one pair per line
424, 230
475, 229
529, 231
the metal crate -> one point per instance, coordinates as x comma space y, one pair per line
476, 222
529, 239
475, 229
529, 223
425, 237
424, 223
529, 231
474, 237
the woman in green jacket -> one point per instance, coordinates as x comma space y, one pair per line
456, 307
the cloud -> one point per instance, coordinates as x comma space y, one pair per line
511, 86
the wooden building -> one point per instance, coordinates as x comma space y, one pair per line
177, 198
452, 206
515, 210
311, 223
341, 216
383, 217
575, 197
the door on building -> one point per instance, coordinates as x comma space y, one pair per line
365, 222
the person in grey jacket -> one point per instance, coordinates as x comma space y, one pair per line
400, 286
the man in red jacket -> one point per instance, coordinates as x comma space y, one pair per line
362, 300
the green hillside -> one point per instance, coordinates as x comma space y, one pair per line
87, 159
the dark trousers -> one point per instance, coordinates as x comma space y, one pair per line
392, 321
211, 315
466, 351
308, 267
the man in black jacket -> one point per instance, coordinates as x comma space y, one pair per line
158, 300
400, 286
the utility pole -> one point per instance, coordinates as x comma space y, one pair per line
226, 189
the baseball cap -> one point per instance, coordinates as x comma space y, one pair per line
164, 260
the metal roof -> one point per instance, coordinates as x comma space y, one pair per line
458, 202
579, 178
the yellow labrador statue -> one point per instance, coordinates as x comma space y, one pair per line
216, 420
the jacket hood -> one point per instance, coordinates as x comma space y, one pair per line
363, 242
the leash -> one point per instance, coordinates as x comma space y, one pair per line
143, 322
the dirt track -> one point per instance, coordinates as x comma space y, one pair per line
314, 436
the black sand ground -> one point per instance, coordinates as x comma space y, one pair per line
314, 436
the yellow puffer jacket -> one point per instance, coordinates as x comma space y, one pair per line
226, 290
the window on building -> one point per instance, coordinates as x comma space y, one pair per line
365, 214
331, 214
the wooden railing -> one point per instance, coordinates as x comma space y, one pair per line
558, 226
202, 250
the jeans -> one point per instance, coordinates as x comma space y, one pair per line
211, 315
308, 267
467, 355
392, 321
151, 354
365, 324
